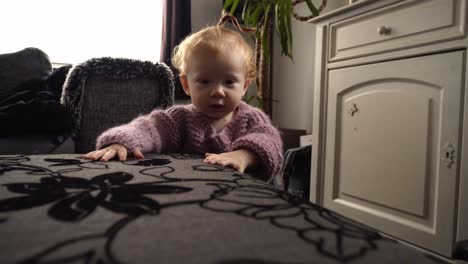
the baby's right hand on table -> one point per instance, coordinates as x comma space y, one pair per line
112, 151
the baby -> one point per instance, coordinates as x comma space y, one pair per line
216, 66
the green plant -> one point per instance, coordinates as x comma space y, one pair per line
260, 14
262, 17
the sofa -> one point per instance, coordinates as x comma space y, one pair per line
54, 110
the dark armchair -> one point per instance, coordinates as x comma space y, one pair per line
105, 92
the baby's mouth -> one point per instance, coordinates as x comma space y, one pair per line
216, 106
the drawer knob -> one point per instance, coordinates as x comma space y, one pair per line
383, 30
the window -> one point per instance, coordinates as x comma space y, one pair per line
74, 31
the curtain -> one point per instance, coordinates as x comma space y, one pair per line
176, 26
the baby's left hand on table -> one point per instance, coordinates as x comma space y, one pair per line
240, 159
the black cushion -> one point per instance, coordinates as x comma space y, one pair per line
22, 66
30, 95
56, 80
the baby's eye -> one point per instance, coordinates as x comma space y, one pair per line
203, 81
229, 82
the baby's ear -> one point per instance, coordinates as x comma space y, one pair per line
184, 81
246, 85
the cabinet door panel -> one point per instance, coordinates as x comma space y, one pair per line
388, 127
369, 142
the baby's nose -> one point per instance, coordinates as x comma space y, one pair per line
217, 91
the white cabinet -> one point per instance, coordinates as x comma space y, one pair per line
388, 132
391, 128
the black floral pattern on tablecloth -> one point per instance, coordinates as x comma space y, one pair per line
110, 191
149, 162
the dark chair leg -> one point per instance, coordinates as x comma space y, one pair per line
460, 251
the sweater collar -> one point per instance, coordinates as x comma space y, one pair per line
232, 125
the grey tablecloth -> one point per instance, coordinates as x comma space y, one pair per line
169, 209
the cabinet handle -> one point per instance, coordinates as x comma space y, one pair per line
352, 109
383, 30
448, 155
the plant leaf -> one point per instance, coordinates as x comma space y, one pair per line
283, 25
234, 6
260, 102
265, 34
249, 99
246, 9
254, 17
288, 28
227, 3
277, 15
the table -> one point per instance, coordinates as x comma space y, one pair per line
170, 209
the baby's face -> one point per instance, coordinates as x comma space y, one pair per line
216, 81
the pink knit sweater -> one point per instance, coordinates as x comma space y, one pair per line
182, 128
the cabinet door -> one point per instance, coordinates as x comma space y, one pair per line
392, 139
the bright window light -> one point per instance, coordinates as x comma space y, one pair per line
75, 31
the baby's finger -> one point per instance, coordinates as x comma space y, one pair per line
98, 154
212, 159
137, 154
89, 155
108, 155
208, 160
122, 153
235, 166
224, 163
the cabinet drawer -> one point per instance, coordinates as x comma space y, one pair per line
398, 26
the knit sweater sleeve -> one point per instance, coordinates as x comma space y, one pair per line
263, 139
154, 132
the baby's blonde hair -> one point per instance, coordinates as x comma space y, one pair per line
215, 37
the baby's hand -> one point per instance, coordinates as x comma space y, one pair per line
110, 152
239, 159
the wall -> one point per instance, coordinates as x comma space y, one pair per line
292, 81
205, 12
